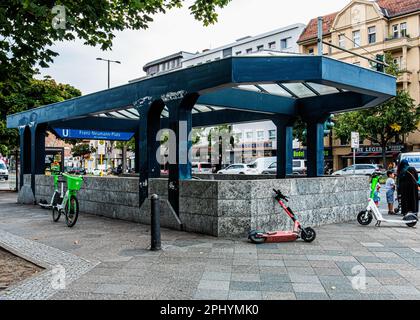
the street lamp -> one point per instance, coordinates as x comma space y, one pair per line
109, 68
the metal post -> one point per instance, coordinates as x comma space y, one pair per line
320, 31
354, 161
109, 76
155, 223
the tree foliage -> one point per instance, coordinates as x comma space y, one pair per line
380, 125
82, 150
36, 93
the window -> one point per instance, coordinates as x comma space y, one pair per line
311, 51
403, 28
260, 135
238, 53
285, 43
397, 61
372, 34
342, 41
249, 50
272, 134
356, 39
227, 52
395, 31
250, 135
260, 48
272, 45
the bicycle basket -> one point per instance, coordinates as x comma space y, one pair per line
74, 183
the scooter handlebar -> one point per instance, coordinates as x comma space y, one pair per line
281, 195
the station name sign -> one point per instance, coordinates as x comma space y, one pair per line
93, 134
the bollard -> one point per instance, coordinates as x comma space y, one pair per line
155, 223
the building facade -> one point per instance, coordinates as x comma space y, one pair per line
252, 140
369, 28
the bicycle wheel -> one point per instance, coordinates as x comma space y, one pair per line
72, 211
56, 214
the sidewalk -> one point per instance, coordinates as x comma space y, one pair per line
193, 266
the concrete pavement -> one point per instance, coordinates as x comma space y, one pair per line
346, 261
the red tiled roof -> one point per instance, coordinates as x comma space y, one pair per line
311, 29
391, 9
398, 7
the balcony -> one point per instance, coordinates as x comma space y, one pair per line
404, 77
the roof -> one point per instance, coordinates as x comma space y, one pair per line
390, 8
180, 54
247, 39
312, 28
398, 7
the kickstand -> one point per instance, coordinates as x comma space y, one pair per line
378, 224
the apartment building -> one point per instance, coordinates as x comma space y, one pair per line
369, 28
253, 140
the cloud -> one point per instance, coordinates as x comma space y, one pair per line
175, 31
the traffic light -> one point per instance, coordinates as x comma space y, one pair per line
379, 66
328, 125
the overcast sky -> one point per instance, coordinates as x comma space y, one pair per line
175, 31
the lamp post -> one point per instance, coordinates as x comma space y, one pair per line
109, 68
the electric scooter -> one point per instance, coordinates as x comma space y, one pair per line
365, 217
298, 232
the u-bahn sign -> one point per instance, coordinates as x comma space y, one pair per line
93, 134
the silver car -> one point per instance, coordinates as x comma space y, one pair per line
361, 169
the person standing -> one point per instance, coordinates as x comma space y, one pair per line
408, 188
390, 189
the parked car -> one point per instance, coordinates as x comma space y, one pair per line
202, 167
272, 169
361, 169
238, 168
262, 164
299, 166
97, 172
76, 170
4, 173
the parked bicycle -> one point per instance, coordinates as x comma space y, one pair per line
65, 203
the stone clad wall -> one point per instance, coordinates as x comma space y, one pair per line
224, 208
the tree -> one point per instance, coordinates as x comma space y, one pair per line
82, 150
28, 28
380, 125
36, 93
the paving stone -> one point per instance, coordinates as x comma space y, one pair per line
276, 286
268, 277
308, 287
208, 275
311, 296
278, 295
245, 295
206, 294
298, 278
244, 286
245, 277
213, 285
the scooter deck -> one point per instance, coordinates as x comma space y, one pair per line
281, 236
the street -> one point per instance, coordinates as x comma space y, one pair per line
9, 184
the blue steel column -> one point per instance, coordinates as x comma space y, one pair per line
180, 122
147, 146
37, 152
284, 146
23, 155
315, 148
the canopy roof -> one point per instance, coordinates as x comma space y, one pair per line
235, 89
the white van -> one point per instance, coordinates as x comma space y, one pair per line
4, 173
262, 164
413, 159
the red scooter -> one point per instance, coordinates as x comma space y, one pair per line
306, 234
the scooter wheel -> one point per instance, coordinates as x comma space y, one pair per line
255, 236
410, 217
364, 218
308, 234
